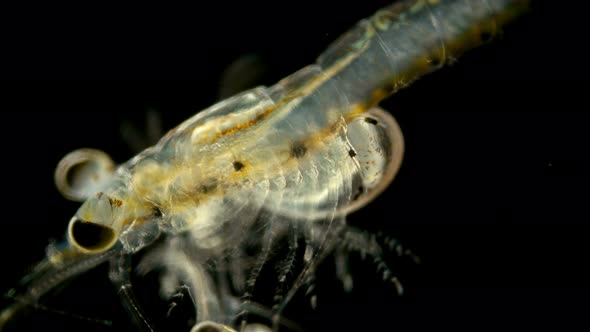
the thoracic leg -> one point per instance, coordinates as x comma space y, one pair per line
261, 259
367, 245
120, 276
321, 248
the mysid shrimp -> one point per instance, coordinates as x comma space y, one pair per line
273, 166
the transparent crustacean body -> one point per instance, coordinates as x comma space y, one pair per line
288, 161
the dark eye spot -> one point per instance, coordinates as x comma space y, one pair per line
351, 153
238, 165
298, 150
371, 121
91, 236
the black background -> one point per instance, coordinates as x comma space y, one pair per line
492, 194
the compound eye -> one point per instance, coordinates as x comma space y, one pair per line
90, 237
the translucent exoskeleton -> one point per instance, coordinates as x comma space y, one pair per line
271, 168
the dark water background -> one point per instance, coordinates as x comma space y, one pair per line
492, 195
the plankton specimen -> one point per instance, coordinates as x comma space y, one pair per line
271, 168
